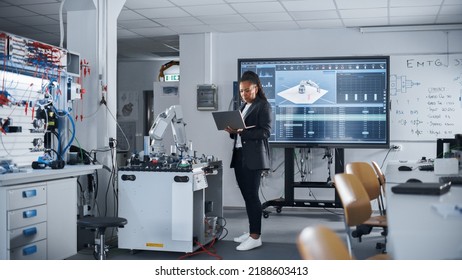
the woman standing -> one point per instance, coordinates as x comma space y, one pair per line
251, 154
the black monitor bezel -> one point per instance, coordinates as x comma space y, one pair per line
316, 144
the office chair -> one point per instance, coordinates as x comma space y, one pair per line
321, 243
356, 204
366, 174
382, 180
100, 224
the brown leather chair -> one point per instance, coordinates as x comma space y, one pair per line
368, 177
366, 174
356, 204
382, 180
321, 243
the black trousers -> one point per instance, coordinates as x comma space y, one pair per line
249, 184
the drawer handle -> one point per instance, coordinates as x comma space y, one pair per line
29, 231
29, 250
29, 193
29, 214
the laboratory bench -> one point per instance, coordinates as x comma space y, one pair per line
38, 219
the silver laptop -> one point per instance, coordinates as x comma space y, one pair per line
232, 119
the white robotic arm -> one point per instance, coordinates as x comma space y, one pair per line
174, 116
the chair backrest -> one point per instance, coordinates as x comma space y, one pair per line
355, 201
367, 176
321, 243
380, 174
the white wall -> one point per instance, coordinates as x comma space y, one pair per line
212, 58
134, 77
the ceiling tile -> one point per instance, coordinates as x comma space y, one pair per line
56, 17
26, 2
49, 28
124, 33
179, 21
361, 4
451, 10
267, 17
14, 11
209, 10
414, 3
24, 31
35, 20
310, 15
185, 3
222, 19
193, 29
282, 25
364, 13
245, 1
4, 23
412, 20
44, 9
163, 12
142, 23
143, 4
355, 22
264, 7
152, 32
309, 5
412, 11
327, 23
4, 4
448, 19
451, 2
129, 15
235, 27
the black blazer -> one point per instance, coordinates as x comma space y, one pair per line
255, 147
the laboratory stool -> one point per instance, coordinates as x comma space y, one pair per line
100, 224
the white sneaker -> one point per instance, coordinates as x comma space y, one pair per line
249, 244
241, 238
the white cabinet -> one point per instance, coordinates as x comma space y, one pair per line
165, 210
38, 220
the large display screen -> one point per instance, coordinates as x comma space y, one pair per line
337, 102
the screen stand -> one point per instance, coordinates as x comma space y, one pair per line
290, 185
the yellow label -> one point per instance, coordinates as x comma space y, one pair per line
158, 245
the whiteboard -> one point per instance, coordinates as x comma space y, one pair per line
425, 97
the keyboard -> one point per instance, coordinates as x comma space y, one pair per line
455, 180
426, 167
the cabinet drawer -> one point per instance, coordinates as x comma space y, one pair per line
26, 197
33, 251
26, 216
29, 234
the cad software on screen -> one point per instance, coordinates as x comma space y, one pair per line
336, 101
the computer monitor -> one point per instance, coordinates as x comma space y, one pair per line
340, 102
